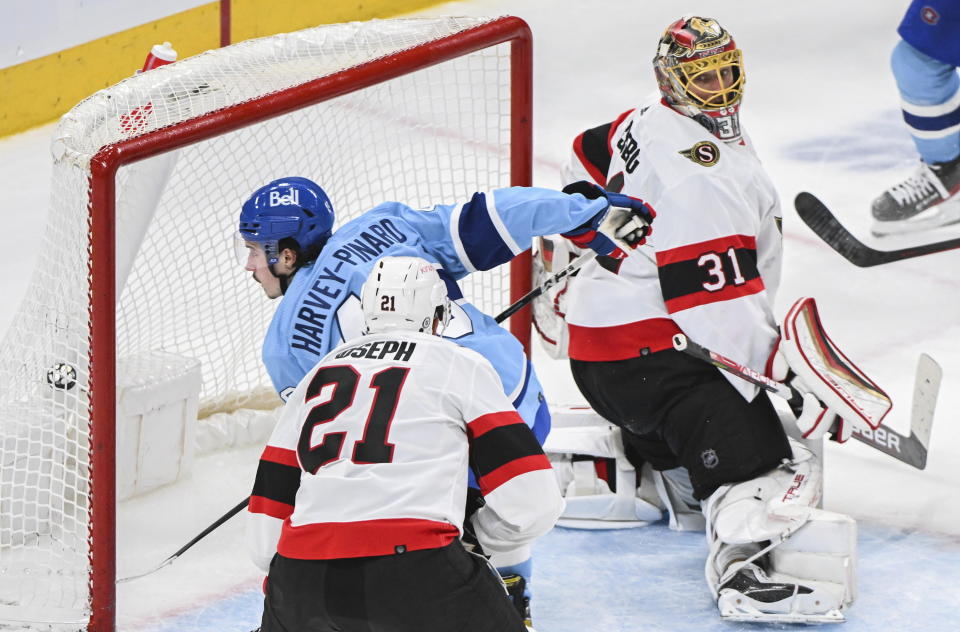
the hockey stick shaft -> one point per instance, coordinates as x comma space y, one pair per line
824, 223
682, 343
570, 270
910, 450
219, 521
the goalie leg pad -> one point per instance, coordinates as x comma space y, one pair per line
773, 555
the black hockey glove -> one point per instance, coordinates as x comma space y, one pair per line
620, 228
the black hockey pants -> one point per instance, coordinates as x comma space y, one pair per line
679, 411
435, 590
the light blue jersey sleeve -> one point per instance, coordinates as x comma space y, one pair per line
492, 228
321, 307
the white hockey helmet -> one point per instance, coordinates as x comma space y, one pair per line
404, 293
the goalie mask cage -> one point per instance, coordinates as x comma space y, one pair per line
149, 177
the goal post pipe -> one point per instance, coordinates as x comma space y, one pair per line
102, 213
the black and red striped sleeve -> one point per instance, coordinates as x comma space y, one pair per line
502, 447
593, 149
708, 272
275, 487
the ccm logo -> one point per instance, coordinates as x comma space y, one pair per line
291, 199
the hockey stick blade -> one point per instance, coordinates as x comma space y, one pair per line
911, 450
818, 217
219, 521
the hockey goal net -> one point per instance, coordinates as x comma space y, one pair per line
149, 176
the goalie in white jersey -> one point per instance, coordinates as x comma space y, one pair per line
709, 270
357, 508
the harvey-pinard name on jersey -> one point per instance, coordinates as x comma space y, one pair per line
331, 284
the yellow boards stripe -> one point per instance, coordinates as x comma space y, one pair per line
257, 18
40, 90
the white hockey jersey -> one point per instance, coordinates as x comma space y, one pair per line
370, 456
712, 264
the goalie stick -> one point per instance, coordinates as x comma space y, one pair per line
818, 217
571, 269
911, 450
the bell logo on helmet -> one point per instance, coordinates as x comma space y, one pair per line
292, 198
290, 207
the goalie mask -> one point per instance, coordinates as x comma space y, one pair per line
404, 293
700, 74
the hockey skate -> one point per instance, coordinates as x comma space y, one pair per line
516, 587
750, 595
930, 198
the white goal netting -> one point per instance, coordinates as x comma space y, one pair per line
431, 136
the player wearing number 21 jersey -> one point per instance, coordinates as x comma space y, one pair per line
369, 462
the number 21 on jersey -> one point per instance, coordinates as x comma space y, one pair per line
340, 384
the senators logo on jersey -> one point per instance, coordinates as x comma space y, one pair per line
703, 153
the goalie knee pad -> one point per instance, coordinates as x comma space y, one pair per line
773, 555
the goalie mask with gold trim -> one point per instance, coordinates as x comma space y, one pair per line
700, 74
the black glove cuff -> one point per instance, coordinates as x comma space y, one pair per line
584, 188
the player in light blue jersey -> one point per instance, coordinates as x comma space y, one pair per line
925, 65
288, 243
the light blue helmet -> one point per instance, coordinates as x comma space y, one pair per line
292, 207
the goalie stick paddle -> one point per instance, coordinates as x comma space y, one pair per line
818, 217
219, 521
911, 450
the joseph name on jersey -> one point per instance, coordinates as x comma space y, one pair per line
370, 456
712, 264
321, 308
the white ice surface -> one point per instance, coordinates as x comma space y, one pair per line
822, 109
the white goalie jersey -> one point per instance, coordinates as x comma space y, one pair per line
712, 263
370, 456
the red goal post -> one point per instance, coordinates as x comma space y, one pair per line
198, 148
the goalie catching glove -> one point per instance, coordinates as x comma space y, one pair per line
836, 396
618, 230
